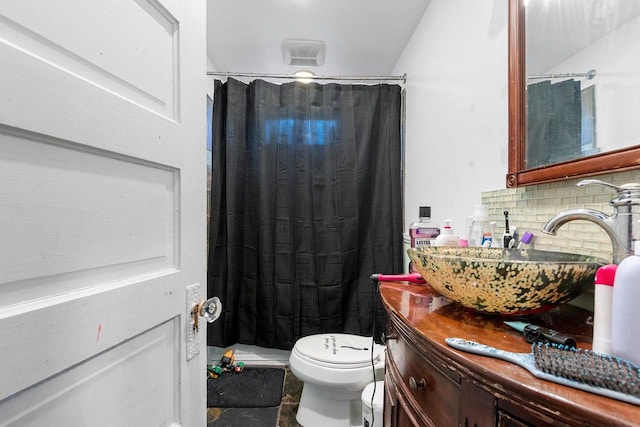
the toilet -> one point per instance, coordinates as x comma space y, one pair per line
335, 369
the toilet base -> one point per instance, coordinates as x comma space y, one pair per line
320, 407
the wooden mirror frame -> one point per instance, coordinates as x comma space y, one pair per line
617, 160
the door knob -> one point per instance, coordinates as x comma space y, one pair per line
209, 309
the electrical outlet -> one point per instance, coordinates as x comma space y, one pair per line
192, 335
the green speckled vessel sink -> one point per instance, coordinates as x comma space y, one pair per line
505, 281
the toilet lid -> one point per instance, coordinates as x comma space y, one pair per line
339, 349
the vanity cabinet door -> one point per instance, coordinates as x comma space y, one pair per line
397, 412
477, 407
426, 387
390, 403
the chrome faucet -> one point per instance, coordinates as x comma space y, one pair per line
621, 227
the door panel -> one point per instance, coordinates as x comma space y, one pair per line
81, 217
102, 384
141, 66
102, 212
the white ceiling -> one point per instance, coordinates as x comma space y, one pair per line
363, 37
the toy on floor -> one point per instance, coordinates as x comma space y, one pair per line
226, 364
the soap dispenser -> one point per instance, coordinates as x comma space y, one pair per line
446, 237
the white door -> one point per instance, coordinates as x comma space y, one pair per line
102, 212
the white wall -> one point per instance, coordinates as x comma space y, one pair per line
457, 106
210, 79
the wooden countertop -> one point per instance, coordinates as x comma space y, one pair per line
421, 309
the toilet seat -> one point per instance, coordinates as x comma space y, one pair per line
338, 351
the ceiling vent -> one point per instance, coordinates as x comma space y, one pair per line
306, 53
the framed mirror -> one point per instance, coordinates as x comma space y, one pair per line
574, 89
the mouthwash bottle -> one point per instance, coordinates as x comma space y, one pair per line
423, 232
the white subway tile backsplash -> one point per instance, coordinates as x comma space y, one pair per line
532, 206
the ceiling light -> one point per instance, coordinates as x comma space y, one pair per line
302, 76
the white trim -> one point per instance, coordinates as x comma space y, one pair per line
250, 355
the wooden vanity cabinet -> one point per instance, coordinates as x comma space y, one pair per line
427, 383
425, 390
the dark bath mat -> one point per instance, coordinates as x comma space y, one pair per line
242, 417
251, 388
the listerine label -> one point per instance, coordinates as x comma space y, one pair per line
421, 237
421, 242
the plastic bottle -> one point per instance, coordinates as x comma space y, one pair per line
625, 314
423, 231
480, 230
602, 300
493, 242
446, 238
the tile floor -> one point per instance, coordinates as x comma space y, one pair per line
281, 416
290, 399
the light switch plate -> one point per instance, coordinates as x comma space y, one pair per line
192, 336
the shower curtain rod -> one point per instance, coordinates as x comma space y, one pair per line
294, 77
589, 75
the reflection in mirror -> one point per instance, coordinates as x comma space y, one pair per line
556, 112
565, 39
577, 93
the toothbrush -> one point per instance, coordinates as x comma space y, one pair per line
527, 237
507, 238
585, 370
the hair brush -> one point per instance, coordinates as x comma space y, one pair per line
585, 370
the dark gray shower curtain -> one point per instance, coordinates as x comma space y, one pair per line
305, 205
554, 122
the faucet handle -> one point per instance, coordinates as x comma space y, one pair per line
598, 182
619, 188
628, 194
